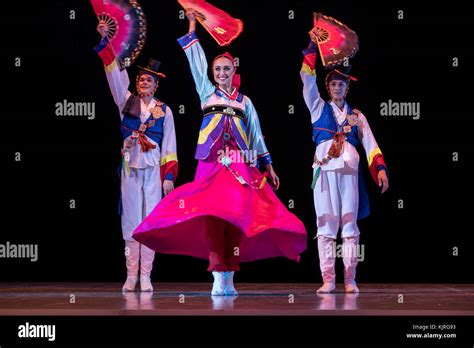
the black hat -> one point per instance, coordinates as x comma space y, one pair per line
152, 68
340, 73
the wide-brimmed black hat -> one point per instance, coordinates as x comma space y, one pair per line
340, 73
152, 68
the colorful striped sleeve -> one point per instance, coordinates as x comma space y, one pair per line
311, 95
169, 158
198, 64
375, 157
118, 80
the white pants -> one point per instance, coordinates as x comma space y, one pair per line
336, 200
141, 192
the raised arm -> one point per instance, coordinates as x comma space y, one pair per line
118, 80
311, 95
197, 60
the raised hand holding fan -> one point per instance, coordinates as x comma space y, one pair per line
222, 27
336, 42
126, 27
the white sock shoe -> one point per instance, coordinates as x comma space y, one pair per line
350, 260
327, 261
218, 286
326, 288
132, 256
229, 288
352, 288
130, 283
145, 283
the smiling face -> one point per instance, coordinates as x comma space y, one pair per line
223, 70
146, 84
337, 89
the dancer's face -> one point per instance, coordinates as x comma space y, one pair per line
338, 89
146, 84
223, 70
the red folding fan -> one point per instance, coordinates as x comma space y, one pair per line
335, 40
126, 26
222, 27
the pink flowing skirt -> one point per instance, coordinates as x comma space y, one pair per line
178, 223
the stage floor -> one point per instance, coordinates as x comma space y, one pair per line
76, 299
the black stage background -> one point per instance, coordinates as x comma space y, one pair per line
71, 158
64, 158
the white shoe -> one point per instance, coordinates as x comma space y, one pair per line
229, 288
326, 288
352, 288
130, 283
327, 261
218, 286
145, 283
349, 245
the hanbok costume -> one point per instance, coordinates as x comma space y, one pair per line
148, 158
340, 196
229, 213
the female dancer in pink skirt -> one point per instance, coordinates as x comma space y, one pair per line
229, 213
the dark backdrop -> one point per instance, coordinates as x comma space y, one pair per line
65, 158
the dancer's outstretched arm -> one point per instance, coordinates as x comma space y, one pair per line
311, 95
118, 80
197, 60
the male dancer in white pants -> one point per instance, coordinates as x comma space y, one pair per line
148, 155
340, 198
